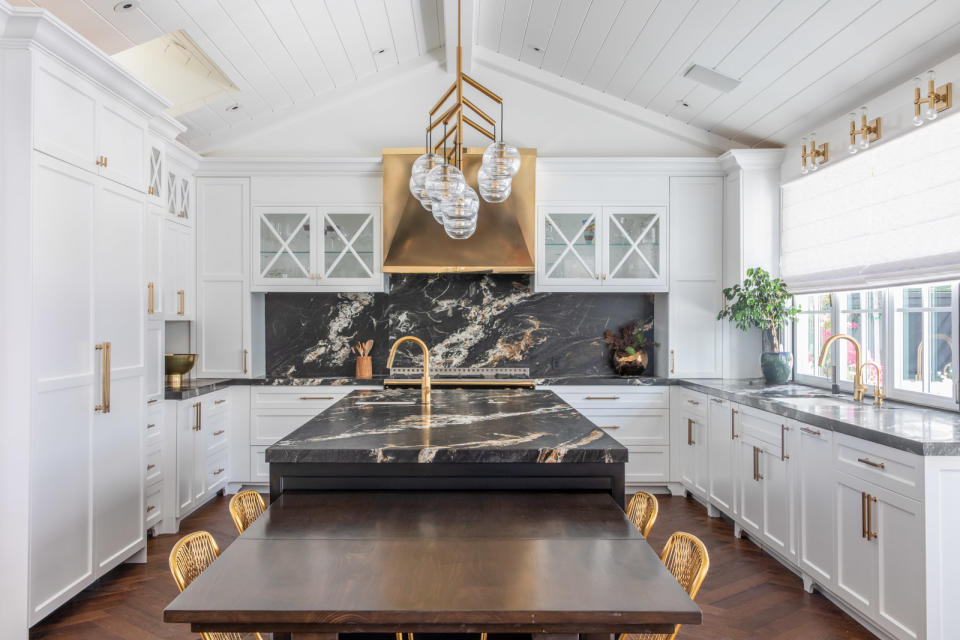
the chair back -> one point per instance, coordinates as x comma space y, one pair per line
192, 554
642, 511
687, 559
245, 507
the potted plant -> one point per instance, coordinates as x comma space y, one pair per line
628, 347
763, 302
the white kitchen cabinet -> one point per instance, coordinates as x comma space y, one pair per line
224, 306
88, 368
203, 435
610, 248
748, 485
179, 193
880, 555
316, 248
178, 275
84, 126
153, 258
693, 344
692, 416
156, 172
815, 512
722, 450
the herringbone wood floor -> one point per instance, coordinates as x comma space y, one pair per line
747, 595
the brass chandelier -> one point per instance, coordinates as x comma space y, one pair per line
437, 180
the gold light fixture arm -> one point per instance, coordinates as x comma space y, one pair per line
477, 110
482, 89
479, 128
869, 130
939, 98
446, 95
822, 153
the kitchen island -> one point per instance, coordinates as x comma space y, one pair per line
476, 439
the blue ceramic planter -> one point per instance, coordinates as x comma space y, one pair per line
777, 366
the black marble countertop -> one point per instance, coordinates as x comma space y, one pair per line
199, 386
919, 430
606, 380
459, 426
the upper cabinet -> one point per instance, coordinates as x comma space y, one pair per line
592, 247
156, 163
87, 127
179, 193
335, 248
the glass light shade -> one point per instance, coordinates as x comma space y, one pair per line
853, 148
464, 208
418, 173
427, 203
493, 188
501, 159
463, 233
864, 142
917, 121
436, 209
445, 181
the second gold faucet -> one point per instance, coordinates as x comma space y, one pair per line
425, 383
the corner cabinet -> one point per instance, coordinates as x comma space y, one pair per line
602, 248
323, 248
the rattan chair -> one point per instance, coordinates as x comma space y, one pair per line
245, 507
192, 554
687, 559
642, 511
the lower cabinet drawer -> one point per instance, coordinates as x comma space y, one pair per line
217, 435
892, 469
638, 427
259, 469
154, 426
269, 425
612, 397
153, 470
153, 502
217, 470
648, 465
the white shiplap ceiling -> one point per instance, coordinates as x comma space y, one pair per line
799, 62
280, 53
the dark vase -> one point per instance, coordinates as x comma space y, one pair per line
777, 366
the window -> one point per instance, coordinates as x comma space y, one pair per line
814, 326
909, 332
923, 338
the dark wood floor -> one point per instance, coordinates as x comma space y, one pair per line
747, 595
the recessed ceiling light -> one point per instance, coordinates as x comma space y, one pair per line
233, 107
379, 51
537, 49
683, 103
711, 78
126, 5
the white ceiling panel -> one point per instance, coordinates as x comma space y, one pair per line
566, 30
543, 15
289, 30
403, 29
593, 34
513, 26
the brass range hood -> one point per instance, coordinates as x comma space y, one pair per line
413, 242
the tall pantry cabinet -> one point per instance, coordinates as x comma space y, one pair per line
74, 184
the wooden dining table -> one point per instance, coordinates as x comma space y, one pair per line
546, 563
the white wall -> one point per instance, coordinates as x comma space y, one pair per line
895, 107
394, 114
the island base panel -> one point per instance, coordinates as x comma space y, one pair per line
293, 476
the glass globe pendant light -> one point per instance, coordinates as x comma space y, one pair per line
418, 174
501, 159
493, 189
459, 215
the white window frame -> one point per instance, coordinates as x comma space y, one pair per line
888, 348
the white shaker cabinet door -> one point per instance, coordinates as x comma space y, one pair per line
123, 145
66, 116
722, 448
815, 496
856, 557
897, 524
63, 371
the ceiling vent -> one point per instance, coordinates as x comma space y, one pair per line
178, 69
711, 78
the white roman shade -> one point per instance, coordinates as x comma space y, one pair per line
889, 215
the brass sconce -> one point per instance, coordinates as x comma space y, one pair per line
936, 101
868, 131
816, 155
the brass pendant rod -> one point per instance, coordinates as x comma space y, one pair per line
477, 110
479, 128
459, 139
446, 95
445, 117
446, 135
482, 89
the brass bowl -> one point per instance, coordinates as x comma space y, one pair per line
177, 365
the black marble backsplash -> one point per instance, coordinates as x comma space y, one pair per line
467, 320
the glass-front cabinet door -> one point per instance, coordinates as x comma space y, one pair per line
570, 246
349, 245
155, 167
635, 247
284, 240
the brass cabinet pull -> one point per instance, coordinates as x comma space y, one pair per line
150, 466
99, 160
151, 425
245, 352
673, 361
182, 295
813, 432
197, 409
105, 161
218, 471
717, 400
871, 463
783, 442
693, 402
601, 397
733, 424
316, 397
690, 432
104, 349
220, 401
219, 432
150, 508
871, 534
154, 401
612, 426
863, 514
756, 464
150, 304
